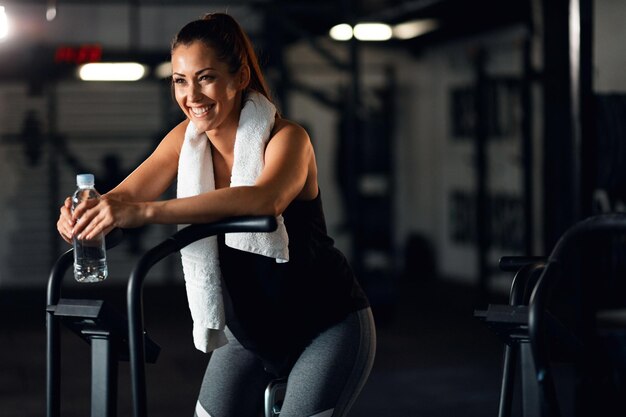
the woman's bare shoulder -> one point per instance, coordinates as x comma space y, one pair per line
286, 127
174, 139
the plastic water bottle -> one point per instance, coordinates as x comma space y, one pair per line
90, 263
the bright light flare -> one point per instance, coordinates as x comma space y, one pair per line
4, 24
372, 32
51, 10
414, 28
51, 13
341, 32
163, 70
112, 71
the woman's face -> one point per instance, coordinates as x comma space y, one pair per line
204, 89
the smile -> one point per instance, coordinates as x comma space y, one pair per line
200, 111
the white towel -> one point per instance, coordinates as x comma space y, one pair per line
200, 259
255, 125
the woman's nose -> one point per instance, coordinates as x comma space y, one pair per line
195, 91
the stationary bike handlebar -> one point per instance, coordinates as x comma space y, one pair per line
134, 294
170, 245
53, 294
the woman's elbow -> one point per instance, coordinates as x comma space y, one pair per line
273, 206
267, 202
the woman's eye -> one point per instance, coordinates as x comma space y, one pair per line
178, 80
206, 78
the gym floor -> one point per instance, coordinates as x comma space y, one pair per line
434, 358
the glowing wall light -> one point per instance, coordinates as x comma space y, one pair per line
163, 70
111, 71
341, 32
362, 31
372, 32
383, 31
51, 12
4, 24
414, 28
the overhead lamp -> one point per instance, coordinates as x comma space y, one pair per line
341, 32
51, 10
414, 28
163, 70
4, 24
372, 31
112, 71
362, 31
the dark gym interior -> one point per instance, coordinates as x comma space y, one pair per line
470, 163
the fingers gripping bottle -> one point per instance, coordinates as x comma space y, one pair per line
90, 264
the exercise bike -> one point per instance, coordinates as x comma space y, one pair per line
114, 337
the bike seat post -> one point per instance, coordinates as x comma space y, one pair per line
103, 375
274, 396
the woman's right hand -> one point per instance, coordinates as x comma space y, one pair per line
65, 224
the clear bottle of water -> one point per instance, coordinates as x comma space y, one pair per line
90, 264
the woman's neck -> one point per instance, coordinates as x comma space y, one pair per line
223, 137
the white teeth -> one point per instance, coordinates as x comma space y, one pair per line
199, 110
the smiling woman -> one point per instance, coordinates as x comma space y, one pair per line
204, 87
283, 304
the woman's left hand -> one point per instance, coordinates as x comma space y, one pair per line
96, 216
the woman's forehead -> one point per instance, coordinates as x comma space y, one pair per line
194, 55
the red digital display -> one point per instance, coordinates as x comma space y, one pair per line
78, 54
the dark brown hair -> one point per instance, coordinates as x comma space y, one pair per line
231, 44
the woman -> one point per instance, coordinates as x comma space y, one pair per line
307, 318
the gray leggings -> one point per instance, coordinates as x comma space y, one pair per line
324, 382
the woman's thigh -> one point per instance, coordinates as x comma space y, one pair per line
332, 370
233, 384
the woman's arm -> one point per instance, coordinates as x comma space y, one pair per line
287, 164
152, 178
286, 168
147, 182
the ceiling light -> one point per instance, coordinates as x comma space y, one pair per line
51, 10
414, 28
51, 13
4, 24
163, 70
341, 32
112, 71
372, 32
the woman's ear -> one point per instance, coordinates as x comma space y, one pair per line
244, 77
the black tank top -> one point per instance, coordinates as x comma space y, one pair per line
276, 309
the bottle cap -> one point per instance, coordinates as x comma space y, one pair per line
85, 180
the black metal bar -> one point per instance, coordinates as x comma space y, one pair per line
287, 24
135, 321
53, 167
561, 208
103, 377
537, 314
134, 294
401, 9
530, 391
53, 353
524, 280
515, 263
547, 400
508, 380
527, 144
581, 69
275, 38
481, 91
